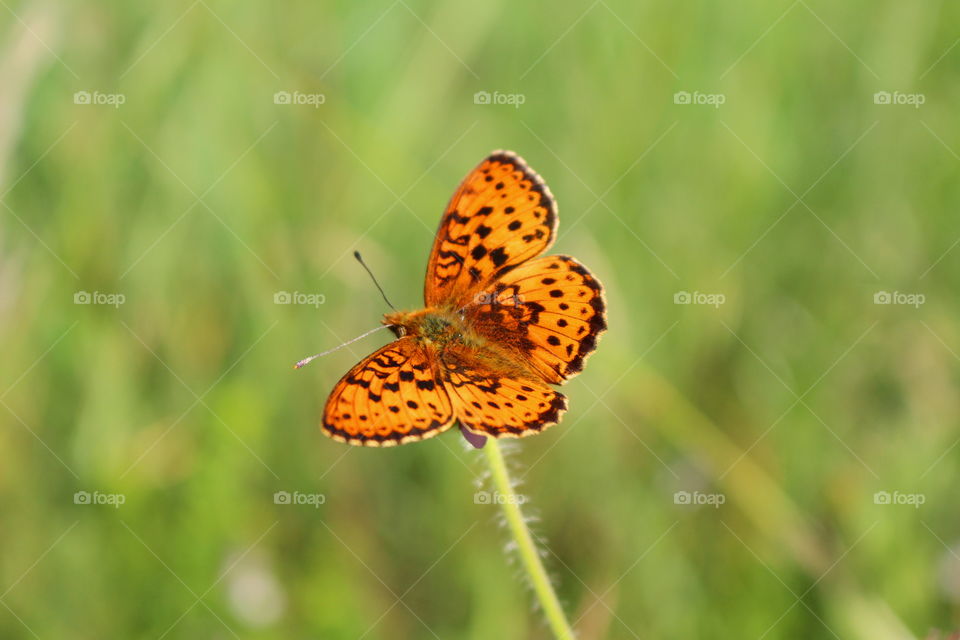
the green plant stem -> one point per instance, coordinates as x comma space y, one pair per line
525, 545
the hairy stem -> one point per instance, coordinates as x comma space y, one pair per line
525, 545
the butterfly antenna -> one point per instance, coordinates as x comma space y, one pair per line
356, 254
307, 361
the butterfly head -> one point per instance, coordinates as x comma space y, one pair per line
397, 322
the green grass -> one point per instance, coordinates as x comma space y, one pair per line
183, 401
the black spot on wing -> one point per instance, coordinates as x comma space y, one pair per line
499, 256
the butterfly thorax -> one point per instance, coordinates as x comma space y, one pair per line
448, 337
435, 326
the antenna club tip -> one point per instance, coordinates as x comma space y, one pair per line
356, 254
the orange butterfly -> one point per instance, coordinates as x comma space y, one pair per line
500, 324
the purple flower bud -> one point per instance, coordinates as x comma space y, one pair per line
476, 440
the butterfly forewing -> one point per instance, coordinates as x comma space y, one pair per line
391, 397
501, 215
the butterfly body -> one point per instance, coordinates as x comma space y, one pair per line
500, 324
443, 333
438, 326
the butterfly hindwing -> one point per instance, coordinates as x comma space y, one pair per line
501, 215
489, 402
548, 312
391, 397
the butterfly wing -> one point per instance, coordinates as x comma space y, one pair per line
501, 215
547, 312
489, 401
391, 397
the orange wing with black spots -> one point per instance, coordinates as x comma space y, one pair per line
490, 403
501, 324
391, 397
547, 312
502, 215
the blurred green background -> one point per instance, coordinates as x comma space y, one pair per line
789, 409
